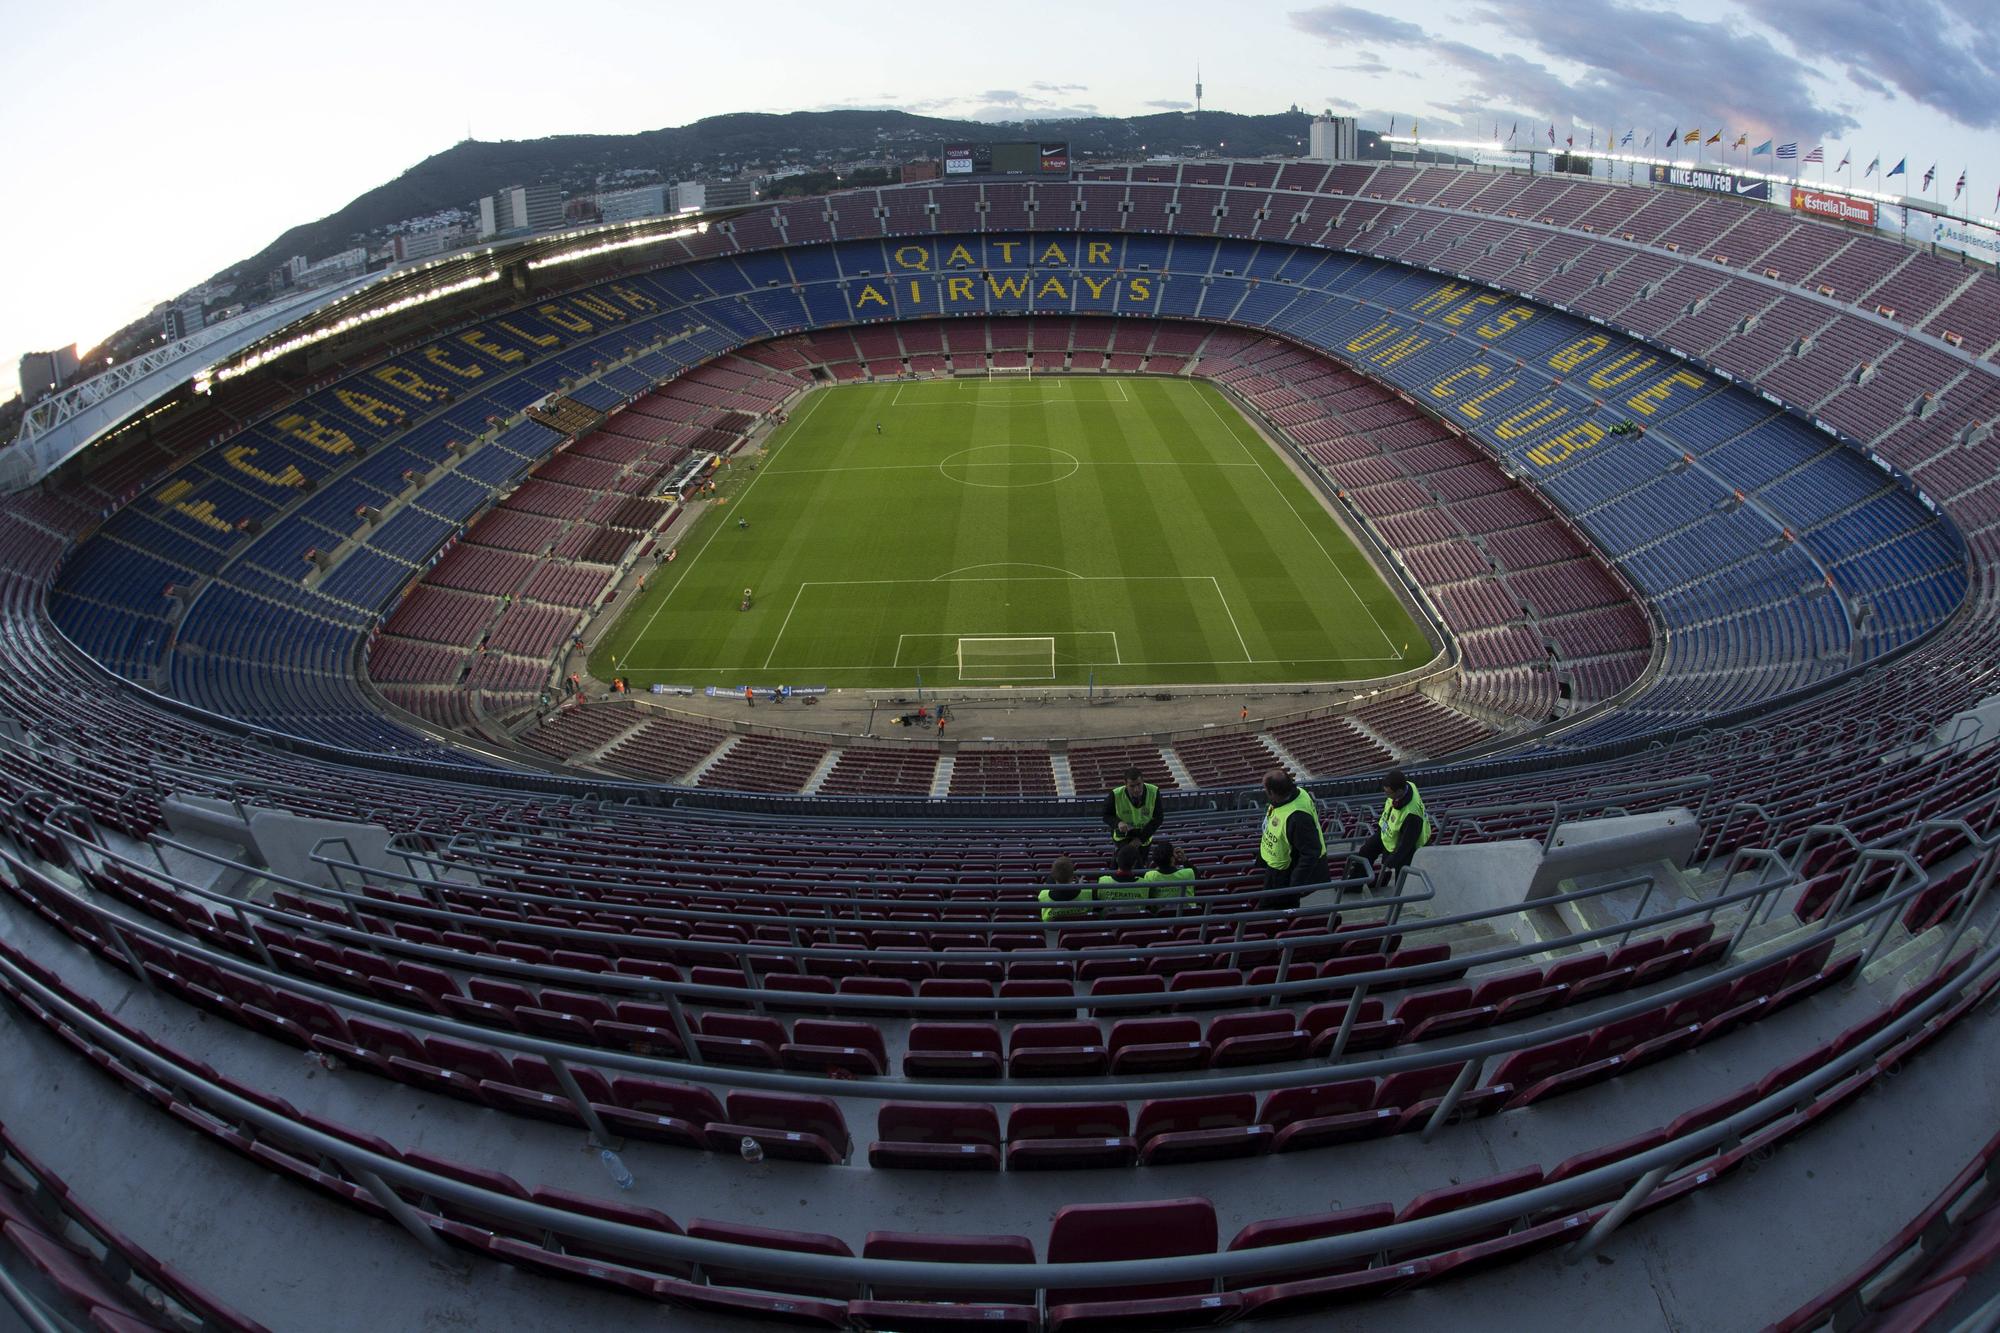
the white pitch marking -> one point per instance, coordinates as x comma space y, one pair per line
714, 529
1365, 610
1232, 618
784, 626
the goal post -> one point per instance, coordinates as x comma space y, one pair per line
1007, 659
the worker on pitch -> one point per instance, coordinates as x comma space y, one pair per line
1132, 810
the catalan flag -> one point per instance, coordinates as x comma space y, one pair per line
1692, 136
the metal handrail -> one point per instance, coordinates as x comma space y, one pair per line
1584, 1190
739, 951
957, 1090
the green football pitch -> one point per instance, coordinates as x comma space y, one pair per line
1053, 530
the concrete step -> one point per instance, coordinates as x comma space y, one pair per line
941, 777
1065, 780
819, 775
1286, 759
1182, 778
695, 774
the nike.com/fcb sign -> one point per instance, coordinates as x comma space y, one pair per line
1722, 182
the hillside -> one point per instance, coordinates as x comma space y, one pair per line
720, 144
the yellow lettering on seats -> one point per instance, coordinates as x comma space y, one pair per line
1647, 401
1574, 440
1442, 297
436, 356
238, 456
1473, 407
1443, 389
1603, 377
538, 339
1530, 419
1578, 352
410, 382
315, 433
368, 407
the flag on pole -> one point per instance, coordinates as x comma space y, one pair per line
1516, 130
1788, 151
1569, 141
1552, 134
1930, 176
1693, 136
1818, 155
1741, 140
1392, 124
1674, 135
1762, 150
1846, 161
1874, 165
1961, 184
1902, 164
1626, 142
1714, 138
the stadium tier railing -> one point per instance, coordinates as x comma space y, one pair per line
1637, 1177
122, 930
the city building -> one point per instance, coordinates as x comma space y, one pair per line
1334, 139
425, 244
520, 208
42, 373
690, 197
627, 205
730, 194
181, 319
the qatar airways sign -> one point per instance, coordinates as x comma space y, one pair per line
1833, 207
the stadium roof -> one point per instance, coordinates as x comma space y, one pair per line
65, 424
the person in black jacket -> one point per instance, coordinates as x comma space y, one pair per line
1133, 811
1292, 848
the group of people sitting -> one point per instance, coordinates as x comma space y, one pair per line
1291, 848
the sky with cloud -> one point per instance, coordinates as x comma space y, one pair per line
117, 114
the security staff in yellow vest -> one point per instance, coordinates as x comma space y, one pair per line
1171, 877
1063, 899
1123, 884
1133, 811
1402, 828
1293, 847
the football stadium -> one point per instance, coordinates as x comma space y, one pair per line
1125, 744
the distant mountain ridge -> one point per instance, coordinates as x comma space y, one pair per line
467, 170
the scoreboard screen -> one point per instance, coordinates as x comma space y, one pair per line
1031, 160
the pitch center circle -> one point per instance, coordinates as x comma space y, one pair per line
1009, 466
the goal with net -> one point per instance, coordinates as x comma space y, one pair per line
1005, 659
